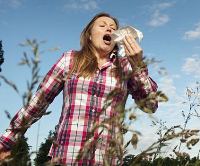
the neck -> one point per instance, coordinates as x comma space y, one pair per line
101, 58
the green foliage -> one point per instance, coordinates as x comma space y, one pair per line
167, 161
41, 156
20, 154
152, 156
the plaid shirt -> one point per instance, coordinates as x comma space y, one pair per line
83, 99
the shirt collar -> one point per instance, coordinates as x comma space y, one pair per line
112, 56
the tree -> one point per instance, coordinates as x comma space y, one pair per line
41, 157
20, 153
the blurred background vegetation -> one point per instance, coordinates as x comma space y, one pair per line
179, 136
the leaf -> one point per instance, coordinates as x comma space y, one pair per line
183, 140
35, 50
161, 97
134, 140
192, 142
29, 42
54, 49
126, 145
8, 114
47, 113
162, 71
132, 116
23, 62
11, 84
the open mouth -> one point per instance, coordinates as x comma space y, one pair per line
107, 39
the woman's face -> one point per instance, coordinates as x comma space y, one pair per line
100, 35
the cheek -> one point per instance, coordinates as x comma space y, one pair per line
95, 38
95, 34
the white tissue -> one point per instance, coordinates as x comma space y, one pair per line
119, 34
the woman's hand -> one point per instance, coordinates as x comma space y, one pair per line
133, 51
3, 153
132, 48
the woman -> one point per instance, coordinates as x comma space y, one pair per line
86, 77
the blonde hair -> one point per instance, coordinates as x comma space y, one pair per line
85, 62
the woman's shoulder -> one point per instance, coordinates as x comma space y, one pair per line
68, 58
69, 53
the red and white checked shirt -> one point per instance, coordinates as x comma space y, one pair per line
83, 99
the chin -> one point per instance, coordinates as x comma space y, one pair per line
107, 51
108, 48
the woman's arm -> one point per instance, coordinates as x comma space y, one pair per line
48, 89
3, 153
143, 90
140, 85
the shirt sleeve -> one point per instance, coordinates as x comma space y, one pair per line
141, 87
48, 89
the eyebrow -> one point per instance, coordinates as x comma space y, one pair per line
109, 24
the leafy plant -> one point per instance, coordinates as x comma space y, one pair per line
32, 61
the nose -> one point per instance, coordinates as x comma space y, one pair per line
109, 29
